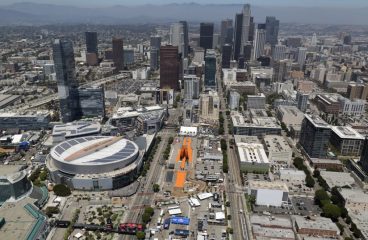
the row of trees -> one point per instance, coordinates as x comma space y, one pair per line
225, 164
299, 164
168, 148
221, 121
150, 157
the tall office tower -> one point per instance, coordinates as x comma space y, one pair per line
302, 54
210, 69
347, 39
247, 51
234, 98
186, 38
118, 53
241, 62
155, 42
92, 101
278, 52
272, 30
245, 25
252, 26
238, 36
64, 62
226, 55
314, 136
169, 67
225, 26
155, 45
302, 101
357, 91
154, 58
91, 42
258, 43
314, 40
177, 36
91, 45
364, 156
191, 87
206, 35
280, 68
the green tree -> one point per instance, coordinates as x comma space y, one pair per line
331, 211
61, 190
156, 187
320, 196
309, 181
149, 210
140, 235
146, 217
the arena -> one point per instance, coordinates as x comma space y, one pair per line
95, 162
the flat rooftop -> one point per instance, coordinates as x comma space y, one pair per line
317, 121
252, 153
354, 195
77, 128
338, 179
346, 132
268, 185
320, 223
275, 143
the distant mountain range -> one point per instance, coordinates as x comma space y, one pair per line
28, 13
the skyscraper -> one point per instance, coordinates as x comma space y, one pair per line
279, 70
177, 36
251, 29
314, 40
92, 51
302, 53
155, 45
191, 87
186, 38
278, 52
364, 156
226, 55
302, 101
314, 136
245, 25
92, 101
210, 69
118, 53
226, 31
238, 35
91, 42
258, 43
206, 35
169, 67
272, 30
63, 55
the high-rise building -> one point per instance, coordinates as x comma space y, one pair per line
347, 39
177, 37
186, 38
191, 87
155, 45
302, 54
258, 43
252, 27
206, 35
118, 53
247, 51
238, 36
280, 69
234, 98
226, 55
314, 136
245, 25
169, 67
226, 31
294, 42
279, 52
63, 55
210, 69
314, 40
92, 101
91, 42
302, 101
357, 91
364, 156
272, 30
155, 42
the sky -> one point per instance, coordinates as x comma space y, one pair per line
306, 3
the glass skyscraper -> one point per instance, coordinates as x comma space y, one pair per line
206, 35
210, 69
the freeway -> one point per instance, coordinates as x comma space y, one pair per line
53, 97
240, 219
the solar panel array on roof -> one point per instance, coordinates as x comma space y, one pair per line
59, 150
86, 130
65, 145
123, 153
73, 142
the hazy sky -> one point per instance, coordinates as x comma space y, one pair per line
310, 3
